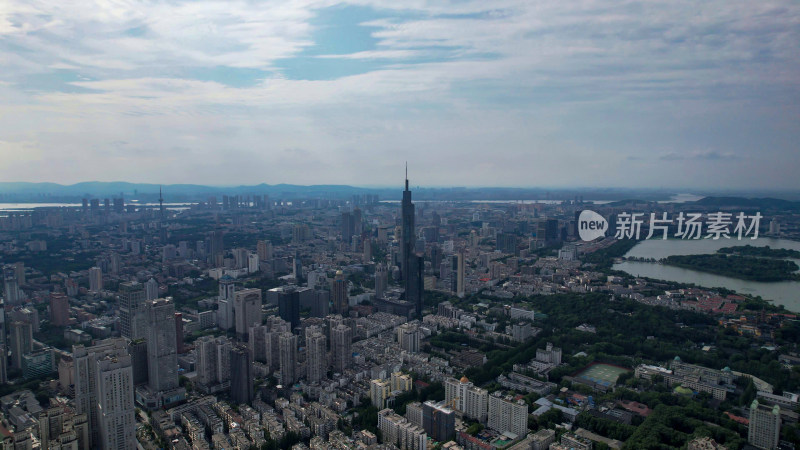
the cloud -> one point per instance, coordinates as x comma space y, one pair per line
710, 155
518, 92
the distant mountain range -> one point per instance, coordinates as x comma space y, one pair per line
53, 192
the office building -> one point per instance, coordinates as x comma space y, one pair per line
341, 347
411, 264
138, 351
764, 429
289, 306
247, 311
241, 375
38, 363
507, 415
132, 320
59, 309
381, 280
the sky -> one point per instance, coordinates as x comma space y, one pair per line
655, 94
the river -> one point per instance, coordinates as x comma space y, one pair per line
786, 293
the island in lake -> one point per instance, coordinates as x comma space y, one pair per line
763, 252
742, 267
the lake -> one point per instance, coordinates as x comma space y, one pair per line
786, 293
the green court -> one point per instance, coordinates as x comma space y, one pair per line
603, 374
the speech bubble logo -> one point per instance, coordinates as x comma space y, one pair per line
591, 225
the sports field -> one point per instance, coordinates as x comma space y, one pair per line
603, 374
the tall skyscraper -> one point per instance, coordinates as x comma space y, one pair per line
132, 321
213, 363
59, 309
288, 358
277, 327
381, 280
341, 347
3, 345
289, 306
247, 311
460, 289
225, 303
348, 227
108, 405
316, 357
264, 250
151, 289
115, 404
340, 293
11, 291
241, 375
21, 341
257, 343
408, 236
162, 354
95, 279
411, 265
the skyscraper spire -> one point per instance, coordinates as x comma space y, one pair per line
406, 175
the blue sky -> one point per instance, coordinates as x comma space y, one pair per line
674, 94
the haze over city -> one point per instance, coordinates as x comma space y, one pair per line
472, 93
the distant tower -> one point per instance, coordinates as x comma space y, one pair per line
160, 203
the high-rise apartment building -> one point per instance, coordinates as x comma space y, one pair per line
20, 338
288, 358
409, 336
162, 354
316, 357
104, 392
95, 279
764, 429
341, 347
507, 415
241, 375
115, 405
340, 293
465, 397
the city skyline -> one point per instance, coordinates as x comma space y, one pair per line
506, 94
